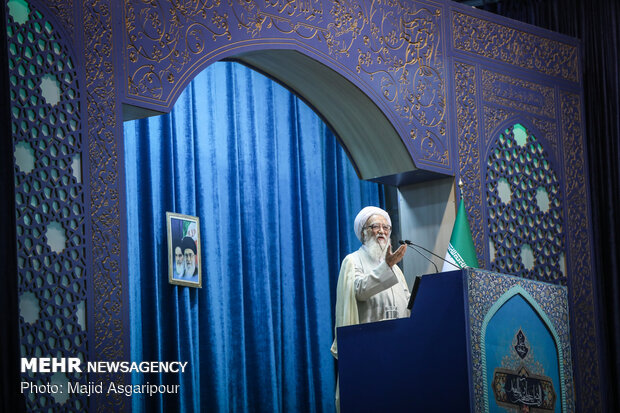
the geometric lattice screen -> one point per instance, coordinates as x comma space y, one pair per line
524, 209
49, 196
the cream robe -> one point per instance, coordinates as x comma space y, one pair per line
365, 287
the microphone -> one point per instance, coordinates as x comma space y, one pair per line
432, 253
401, 242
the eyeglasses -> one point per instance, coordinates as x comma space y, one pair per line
376, 227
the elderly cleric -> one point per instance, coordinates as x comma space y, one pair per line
371, 287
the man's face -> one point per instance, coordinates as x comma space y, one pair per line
377, 228
178, 256
190, 261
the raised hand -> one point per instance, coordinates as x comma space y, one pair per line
392, 259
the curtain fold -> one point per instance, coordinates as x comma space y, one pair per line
276, 197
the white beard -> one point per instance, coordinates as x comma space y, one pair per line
375, 249
179, 268
189, 269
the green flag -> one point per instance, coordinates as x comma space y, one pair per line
461, 251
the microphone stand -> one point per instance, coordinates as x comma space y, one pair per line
430, 252
418, 251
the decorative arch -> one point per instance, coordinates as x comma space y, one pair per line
499, 120
512, 292
373, 71
524, 203
369, 137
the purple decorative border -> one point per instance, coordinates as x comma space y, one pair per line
110, 331
393, 51
581, 290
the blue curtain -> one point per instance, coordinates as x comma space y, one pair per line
276, 197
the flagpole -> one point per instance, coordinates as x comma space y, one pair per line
461, 251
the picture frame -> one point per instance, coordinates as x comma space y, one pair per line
184, 252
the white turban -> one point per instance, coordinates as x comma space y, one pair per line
364, 214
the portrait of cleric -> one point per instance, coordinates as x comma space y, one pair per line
183, 250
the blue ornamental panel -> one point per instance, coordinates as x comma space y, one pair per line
524, 208
522, 361
46, 129
520, 345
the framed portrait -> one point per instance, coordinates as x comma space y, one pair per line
184, 267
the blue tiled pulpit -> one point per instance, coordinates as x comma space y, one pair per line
476, 341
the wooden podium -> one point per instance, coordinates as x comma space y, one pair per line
476, 341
